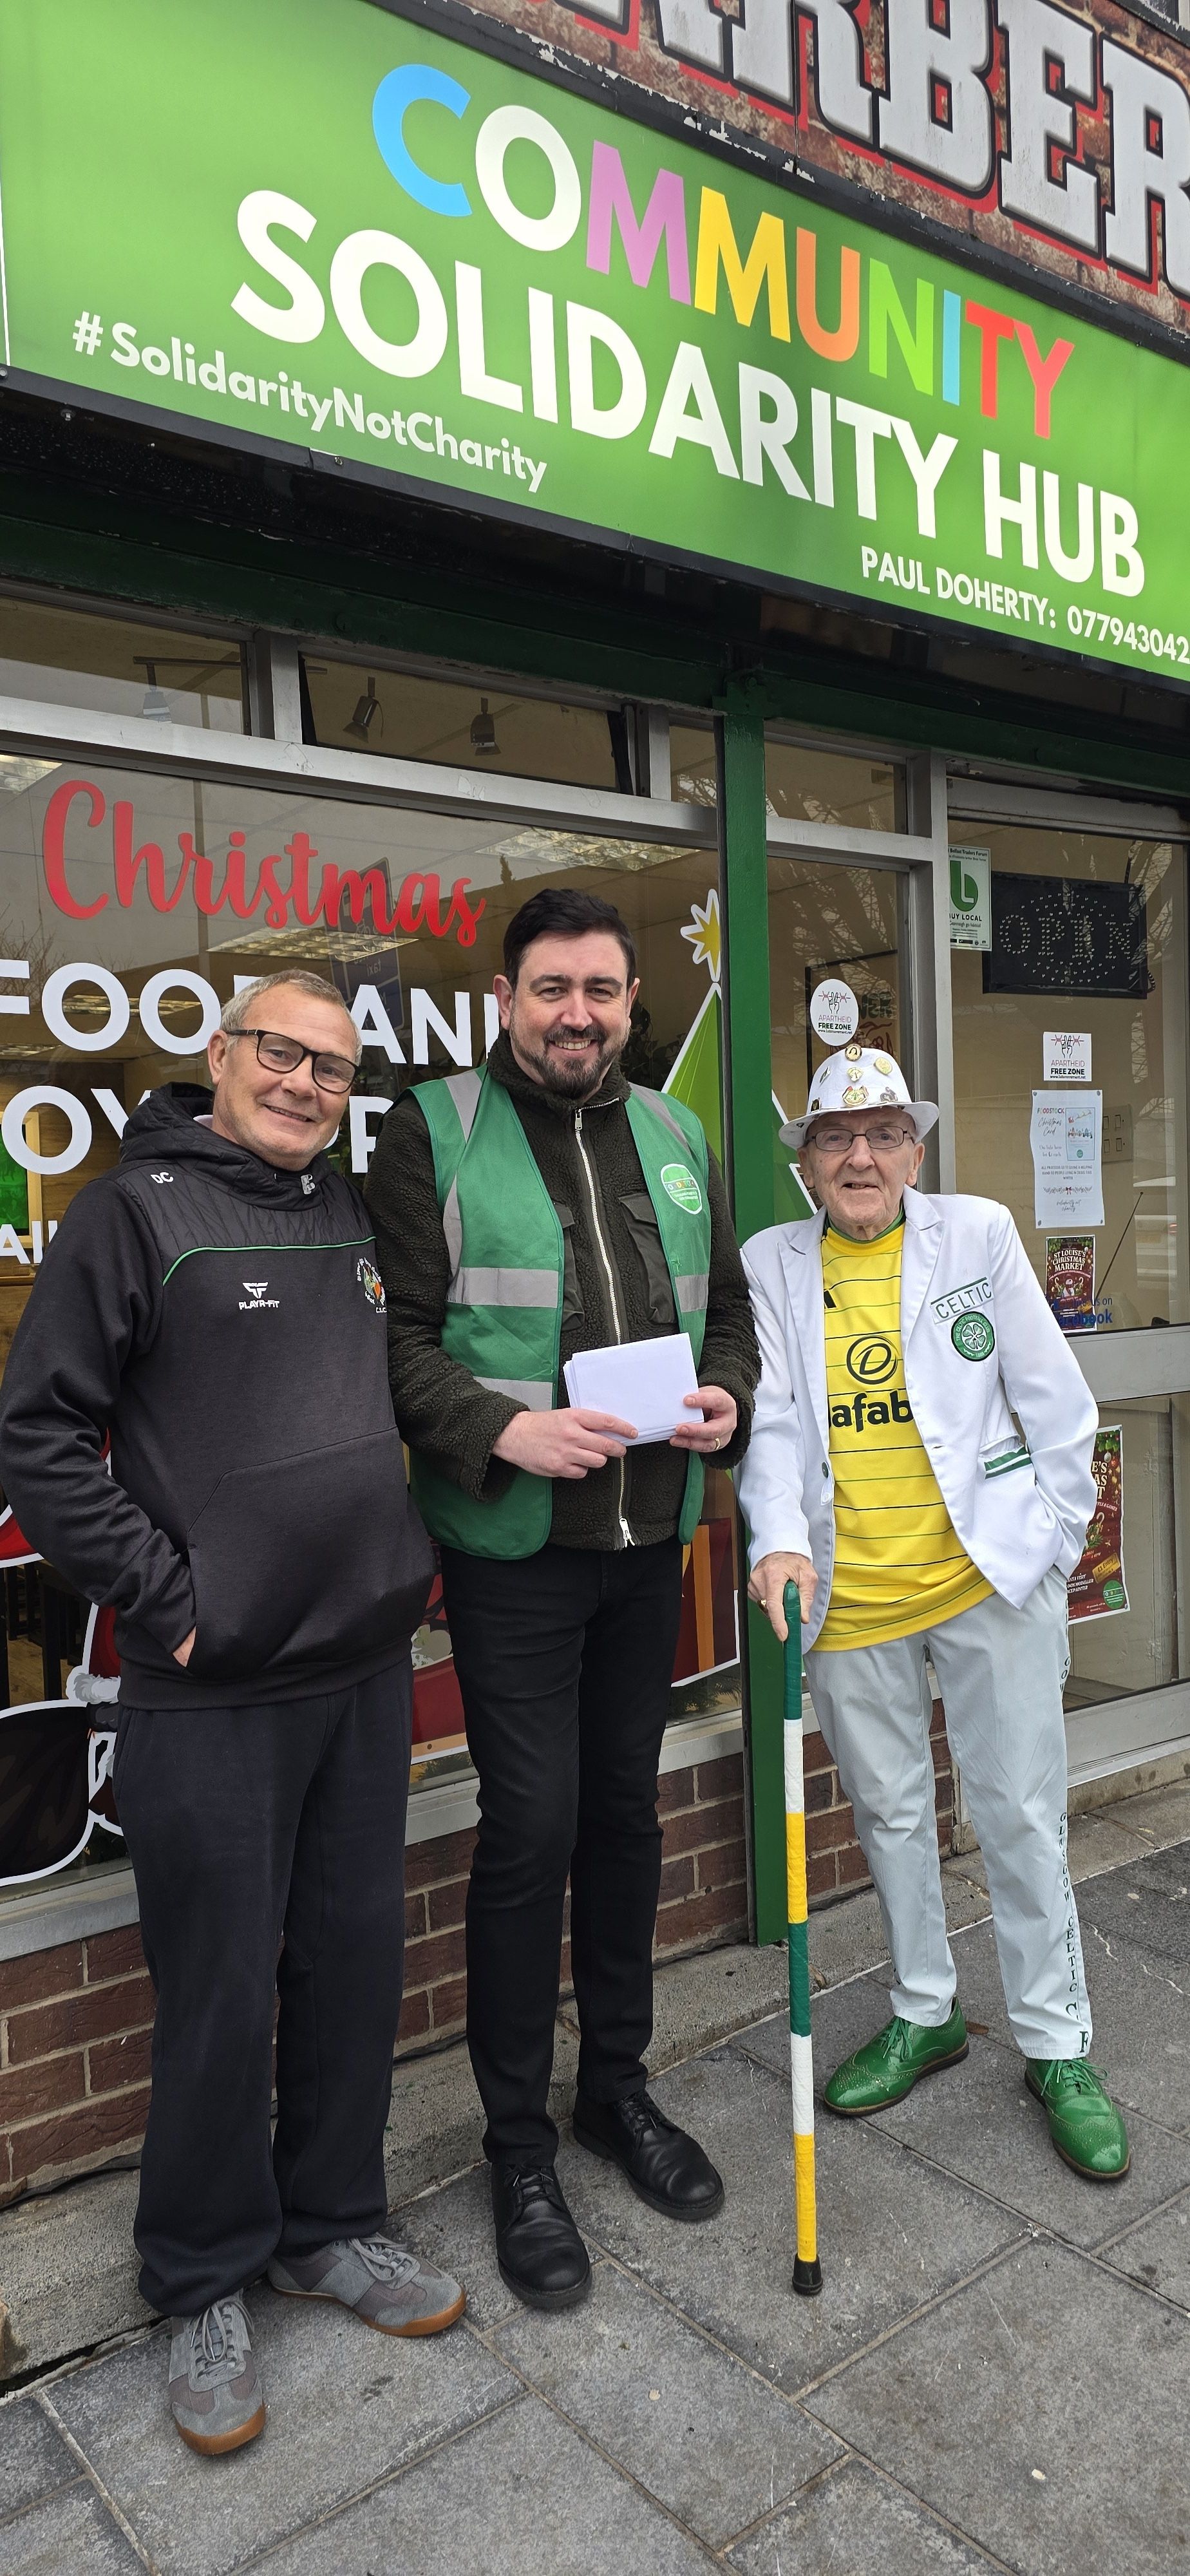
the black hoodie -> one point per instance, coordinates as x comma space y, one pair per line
225, 1321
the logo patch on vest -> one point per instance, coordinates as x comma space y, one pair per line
373, 1286
681, 1186
973, 1336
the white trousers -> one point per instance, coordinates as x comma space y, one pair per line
1000, 1672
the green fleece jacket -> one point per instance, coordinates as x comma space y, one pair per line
444, 1412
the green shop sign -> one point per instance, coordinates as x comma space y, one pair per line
319, 224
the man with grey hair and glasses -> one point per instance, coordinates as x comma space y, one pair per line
213, 1305
920, 1469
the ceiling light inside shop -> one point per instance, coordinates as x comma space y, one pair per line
483, 734
155, 702
367, 709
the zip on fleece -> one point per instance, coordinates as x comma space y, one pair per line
617, 1319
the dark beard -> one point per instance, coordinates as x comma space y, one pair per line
568, 1080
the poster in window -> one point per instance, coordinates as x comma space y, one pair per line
1070, 1280
1066, 1142
1098, 1587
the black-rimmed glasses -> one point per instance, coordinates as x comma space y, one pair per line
283, 1055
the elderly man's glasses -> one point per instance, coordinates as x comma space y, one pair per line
881, 1140
283, 1055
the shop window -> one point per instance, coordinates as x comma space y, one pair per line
119, 667
132, 904
835, 925
1084, 973
357, 707
810, 783
693, 768
1126, 1624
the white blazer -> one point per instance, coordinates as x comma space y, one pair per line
980, 1346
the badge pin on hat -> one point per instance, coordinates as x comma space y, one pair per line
859, 1078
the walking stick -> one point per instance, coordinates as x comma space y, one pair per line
807, 2270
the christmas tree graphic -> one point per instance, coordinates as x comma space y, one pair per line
696, 1075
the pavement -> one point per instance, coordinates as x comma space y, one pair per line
994, 2377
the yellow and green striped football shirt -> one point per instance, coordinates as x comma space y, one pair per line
899, 1565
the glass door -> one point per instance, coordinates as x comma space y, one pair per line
830, 922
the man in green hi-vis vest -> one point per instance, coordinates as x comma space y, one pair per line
543, 1207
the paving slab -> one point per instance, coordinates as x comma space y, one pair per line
1150, 1905
69, 2267
1161, 1815
893, 2231
1102, 1838
840, 2020
710, 2441
522, 2495
1043, 2410
33, 2457
978, 2120
66, 2535
452, 2226
697, 2002
845, 1938
346, 2406
1157, 2253
855, 2523
1141, 2023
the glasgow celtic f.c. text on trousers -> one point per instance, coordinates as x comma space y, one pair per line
1000, 1672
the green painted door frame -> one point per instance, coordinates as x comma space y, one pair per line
749, 1070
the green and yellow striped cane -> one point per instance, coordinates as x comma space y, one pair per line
807, 2270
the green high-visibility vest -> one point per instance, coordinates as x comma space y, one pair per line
504, 1304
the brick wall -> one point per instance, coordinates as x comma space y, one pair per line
704, 1894
75, 2022
74, 2057
834, 1862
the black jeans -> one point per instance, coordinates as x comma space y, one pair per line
565, 1661
246, 1828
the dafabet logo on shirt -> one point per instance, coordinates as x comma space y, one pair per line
872, 1360
871, 1413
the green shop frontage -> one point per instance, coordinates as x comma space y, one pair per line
426, 474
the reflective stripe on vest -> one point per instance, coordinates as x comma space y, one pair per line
464, 1090
502, 1288
530, 1391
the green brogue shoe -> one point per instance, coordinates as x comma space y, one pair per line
888, 2067
1085, 2126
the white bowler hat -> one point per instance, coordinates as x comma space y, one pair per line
859, 1078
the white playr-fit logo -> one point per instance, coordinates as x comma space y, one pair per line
256, 1301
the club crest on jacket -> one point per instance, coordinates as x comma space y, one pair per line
372, 1284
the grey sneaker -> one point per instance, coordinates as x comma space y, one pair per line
386, 2286
215, 2394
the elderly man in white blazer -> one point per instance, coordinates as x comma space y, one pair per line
920, 1468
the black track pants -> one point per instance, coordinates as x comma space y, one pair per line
246, 1828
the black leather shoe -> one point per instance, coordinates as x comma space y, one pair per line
664, 2166
539, 2250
